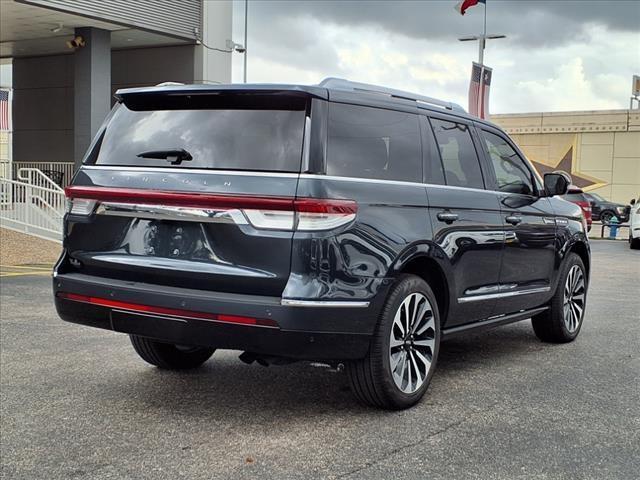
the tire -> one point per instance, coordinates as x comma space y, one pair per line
606, 216
634, 243
168, 356
372, 379
562, 321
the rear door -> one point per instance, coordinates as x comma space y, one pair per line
194, 191
529, 223
467, 222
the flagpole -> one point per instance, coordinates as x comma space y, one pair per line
483, 38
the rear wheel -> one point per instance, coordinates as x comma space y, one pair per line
169, 356
561, 323
397, 370
634, 243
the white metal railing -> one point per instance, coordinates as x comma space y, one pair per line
35, 177
64, 170
33, 209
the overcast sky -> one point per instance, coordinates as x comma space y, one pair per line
558, 55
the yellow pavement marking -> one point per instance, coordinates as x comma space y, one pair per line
27, 267
24, 274
23, 270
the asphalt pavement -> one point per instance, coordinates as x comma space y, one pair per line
77, 403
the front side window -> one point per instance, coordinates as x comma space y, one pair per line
459, 158
366, 142
512, 175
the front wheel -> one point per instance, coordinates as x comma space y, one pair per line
169, 356
397, 370
562, 321
606, 216
634, 243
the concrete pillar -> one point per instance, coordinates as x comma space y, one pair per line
92, 87
212, 66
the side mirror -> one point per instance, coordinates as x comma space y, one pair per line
557, 183
632, 202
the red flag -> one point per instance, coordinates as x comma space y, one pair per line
479, 90
462, 6
474, 88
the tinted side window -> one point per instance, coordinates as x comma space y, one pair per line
459, 158
373, 143
433, 171
512, 174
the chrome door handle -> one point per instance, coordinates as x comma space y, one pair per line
513, 219
447, 217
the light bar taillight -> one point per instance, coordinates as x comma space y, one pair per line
172, 312
272, 213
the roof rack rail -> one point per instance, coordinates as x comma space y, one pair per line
342, 84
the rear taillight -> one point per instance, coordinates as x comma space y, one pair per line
270, 213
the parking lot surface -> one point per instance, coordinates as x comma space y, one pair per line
77, 403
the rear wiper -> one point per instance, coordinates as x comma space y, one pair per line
176, 157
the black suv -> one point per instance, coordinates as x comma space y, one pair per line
342, 223
604, 210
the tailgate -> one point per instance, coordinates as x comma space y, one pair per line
191, 192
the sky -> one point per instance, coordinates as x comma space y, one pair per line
558, 55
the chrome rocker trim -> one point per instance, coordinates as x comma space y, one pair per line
289, 302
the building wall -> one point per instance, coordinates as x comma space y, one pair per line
43, 103
43, 109
601, 149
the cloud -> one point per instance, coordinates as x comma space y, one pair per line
586, 64
552, 21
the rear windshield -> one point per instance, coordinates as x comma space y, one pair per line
228, 139
575, 197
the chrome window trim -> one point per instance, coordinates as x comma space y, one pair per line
492, 296
290, 302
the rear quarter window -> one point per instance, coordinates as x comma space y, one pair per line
366, 142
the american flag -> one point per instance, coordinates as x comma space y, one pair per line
479, 90
4, 110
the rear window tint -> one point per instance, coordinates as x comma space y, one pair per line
433, 171
459, 158
229, 139
367, 142
575, 197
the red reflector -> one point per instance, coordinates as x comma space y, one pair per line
175, 312
320, 205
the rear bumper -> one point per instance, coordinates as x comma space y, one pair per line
333, 332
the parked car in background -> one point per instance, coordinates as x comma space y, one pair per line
634, 224
603, 210
577, 196
343, 223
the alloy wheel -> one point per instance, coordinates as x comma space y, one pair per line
574, 298
412, 343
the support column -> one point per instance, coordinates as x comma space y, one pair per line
213, 66
92, 87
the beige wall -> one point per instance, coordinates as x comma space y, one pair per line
604, 147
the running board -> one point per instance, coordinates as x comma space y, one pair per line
491, 322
